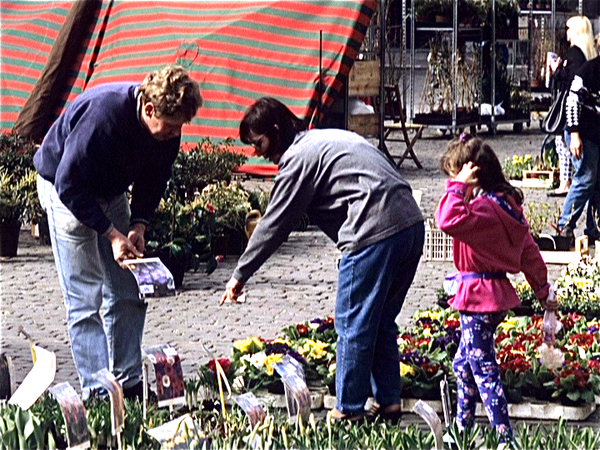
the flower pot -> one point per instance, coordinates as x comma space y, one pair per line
9, 238
218, 244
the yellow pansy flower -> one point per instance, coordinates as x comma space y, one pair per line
244, 345
406, 369
270, 361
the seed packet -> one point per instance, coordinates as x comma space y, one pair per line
152, 276
37, 380
169, 374
451, 283
78, 436
115, 392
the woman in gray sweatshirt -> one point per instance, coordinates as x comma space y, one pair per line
356, 196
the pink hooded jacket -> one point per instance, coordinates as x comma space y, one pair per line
489, 239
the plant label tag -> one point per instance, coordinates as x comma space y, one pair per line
115, 392
78, 436
252, 407
37, 380
297, 395
169, 375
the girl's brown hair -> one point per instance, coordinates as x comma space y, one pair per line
490, 177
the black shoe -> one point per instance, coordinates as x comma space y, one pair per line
136, 392
568, 233
553, 193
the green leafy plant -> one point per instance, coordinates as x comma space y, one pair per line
208, 162
539, 216
513, 167
12, 198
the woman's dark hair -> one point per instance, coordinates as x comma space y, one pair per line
262, 117
490, 176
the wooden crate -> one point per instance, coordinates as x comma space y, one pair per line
364, 79
364, 124
539, 178
438, 245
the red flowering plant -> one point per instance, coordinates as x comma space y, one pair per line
207, 380
576, 382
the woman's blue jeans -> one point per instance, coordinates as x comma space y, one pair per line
372, 285
584, 188
105, 315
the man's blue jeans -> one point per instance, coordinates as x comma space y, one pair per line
584, 188
372, 285
91, 281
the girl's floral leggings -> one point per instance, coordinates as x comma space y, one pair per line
477, 373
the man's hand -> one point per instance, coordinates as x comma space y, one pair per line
233, 290
576, 145
122, 247
136, 236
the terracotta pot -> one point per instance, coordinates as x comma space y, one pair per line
9, 238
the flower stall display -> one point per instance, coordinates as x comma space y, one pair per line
577, 290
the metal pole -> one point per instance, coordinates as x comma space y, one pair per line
454, 64
493, 66
381, 74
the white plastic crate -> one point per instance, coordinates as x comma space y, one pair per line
438, 245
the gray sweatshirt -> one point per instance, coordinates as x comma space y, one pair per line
348, 188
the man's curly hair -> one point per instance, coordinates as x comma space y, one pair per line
172, 92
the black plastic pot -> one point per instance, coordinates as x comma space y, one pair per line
9, 238
547, 242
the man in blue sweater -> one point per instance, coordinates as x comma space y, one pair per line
109, 138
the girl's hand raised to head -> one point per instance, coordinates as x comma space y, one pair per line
468, 173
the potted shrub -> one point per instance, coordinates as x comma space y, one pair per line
225, 208
177, 237
207, 162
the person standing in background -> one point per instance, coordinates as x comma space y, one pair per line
583, 133
581, 40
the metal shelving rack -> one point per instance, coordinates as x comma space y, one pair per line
470, 34
517, 49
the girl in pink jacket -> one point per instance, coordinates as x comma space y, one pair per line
482, 211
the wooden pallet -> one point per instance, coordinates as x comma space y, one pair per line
539, 178
529, 409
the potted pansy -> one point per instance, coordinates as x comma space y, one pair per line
254, 361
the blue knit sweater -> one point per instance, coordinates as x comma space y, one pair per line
98, 148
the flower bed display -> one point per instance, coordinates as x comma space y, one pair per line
426, 353
426, 350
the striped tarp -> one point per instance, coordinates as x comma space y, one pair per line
238, 51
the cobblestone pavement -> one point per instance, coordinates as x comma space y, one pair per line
298, 283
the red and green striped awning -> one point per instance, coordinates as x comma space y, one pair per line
238, 51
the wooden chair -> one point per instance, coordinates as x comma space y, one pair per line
394, 110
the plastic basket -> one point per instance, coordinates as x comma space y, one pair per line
438, 245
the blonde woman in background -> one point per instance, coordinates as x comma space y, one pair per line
581, 39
